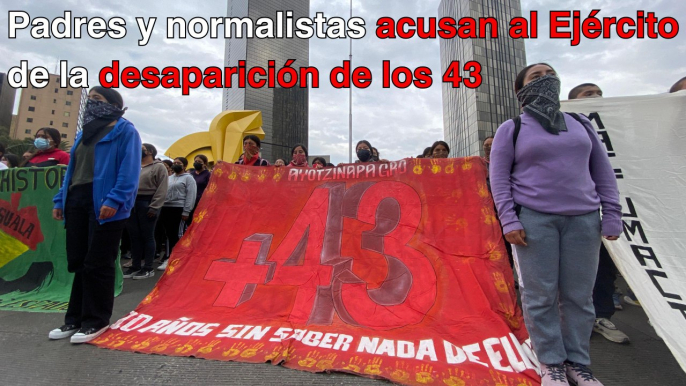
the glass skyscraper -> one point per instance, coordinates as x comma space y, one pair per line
471, 115
284, 111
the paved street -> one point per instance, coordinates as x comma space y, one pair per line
27, 357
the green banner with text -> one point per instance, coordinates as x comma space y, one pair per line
33, 257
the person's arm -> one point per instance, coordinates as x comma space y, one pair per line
58, 200
128, 170
161, 192
57, 209
502, 159
191, 191
605, 184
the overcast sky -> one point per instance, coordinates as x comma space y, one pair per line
399, 122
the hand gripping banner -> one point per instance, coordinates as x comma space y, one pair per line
393, 271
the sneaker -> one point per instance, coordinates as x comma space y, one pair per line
616, 299
581, 375
606, 328
87, 334
553, 375
63, 332
630, 301
128, 274
163, 266
143, 274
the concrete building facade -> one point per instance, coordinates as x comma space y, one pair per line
284, 111
471, 115
51, 106
7, 95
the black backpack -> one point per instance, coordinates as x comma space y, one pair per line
518, 125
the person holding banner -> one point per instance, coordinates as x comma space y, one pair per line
585, 91
299, 157
604, 288
440, 149
363, 149
550, 175
201, 175
47, 153
319, 163
251, 152
95, 200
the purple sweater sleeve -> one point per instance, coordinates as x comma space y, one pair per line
605, 184
502, 157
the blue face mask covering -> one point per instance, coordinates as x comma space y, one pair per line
41, 143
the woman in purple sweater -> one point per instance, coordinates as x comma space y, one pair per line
548, 184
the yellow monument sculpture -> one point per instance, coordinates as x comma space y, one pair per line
224, 140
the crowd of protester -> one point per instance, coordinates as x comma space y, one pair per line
550, 216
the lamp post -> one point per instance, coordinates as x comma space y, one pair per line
350, 101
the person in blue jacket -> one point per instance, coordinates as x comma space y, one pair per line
95, 200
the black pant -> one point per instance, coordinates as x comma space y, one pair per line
91, 254
160, 236
125, 242
604, 285
170, 219
141, 229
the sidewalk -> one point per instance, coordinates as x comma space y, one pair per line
27, 357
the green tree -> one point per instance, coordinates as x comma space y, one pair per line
12, 145
20, 146
65, 145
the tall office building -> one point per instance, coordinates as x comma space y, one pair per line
50, 106
471, 115
6, 102
284, 111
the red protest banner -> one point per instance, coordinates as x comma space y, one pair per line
395, 271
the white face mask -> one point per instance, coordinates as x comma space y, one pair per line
4, 162
41, 143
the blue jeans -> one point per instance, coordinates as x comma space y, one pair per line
141, 229
557, 271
